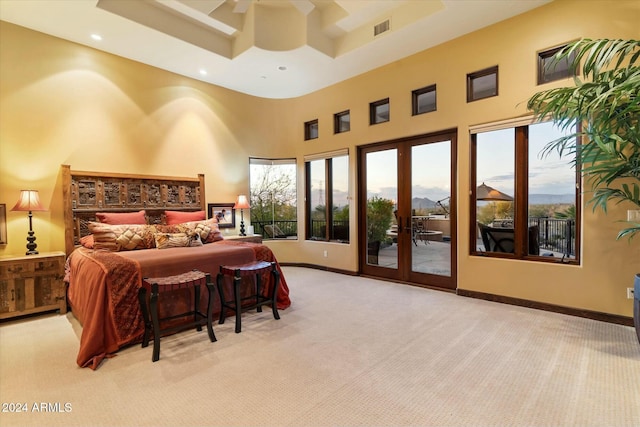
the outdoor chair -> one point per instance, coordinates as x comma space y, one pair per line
502, 239
497, 239
274, 232
420, 230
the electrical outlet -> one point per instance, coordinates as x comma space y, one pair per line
325, 254
629, 293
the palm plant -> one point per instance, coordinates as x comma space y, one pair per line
607, 105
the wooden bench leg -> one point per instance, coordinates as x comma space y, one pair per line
237, 301
153, 303
223, 301
196, 307
274, 294
212, 336
258, 279
142, 298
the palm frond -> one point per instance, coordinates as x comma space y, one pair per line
606, 102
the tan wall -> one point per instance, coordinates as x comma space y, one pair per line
61, 103
608, 266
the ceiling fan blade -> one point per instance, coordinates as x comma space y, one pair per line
242, 6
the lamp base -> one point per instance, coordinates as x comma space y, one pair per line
242, 233
31, 246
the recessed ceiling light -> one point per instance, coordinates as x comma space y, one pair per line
203, 72
97, 37
282, 68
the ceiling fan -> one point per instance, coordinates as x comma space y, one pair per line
304, 6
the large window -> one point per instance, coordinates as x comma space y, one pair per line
273, 198
327, 205
526, 201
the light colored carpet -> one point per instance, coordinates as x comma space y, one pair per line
350, 351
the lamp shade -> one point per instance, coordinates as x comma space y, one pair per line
242, 202
28, 201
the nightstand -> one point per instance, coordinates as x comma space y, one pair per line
253, 238
32, 284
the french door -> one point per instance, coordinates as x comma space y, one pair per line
407, 212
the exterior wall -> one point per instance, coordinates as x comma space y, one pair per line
62, 103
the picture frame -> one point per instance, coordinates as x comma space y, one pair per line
3, 224
225, 213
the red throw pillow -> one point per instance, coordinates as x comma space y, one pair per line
178, 217
118, 218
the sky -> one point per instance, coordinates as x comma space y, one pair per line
430, 174
547, 175
495, 166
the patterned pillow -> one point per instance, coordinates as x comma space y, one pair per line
176, 240
123, 237
208, 229
160, 228
171, 240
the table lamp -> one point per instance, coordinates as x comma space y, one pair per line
29, 201
242, 203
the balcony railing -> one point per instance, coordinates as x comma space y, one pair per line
340, 231
557, 235
289, 228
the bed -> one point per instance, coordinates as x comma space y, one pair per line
106, 262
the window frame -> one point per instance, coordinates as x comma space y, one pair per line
337, 121
373, 108
471, 77
309, 127
521, 216
329, 232
548, 54
274, 162
415, 95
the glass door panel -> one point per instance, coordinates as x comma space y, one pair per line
381, 196
495, 176
407, 205
430, 208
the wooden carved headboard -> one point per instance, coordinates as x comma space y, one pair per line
85, 193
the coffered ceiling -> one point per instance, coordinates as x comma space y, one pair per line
266, 48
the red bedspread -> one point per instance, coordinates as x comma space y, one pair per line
103, 289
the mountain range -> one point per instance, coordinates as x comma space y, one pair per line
534, 199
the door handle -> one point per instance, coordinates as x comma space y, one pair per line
399, 224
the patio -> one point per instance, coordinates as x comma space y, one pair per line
432, 258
